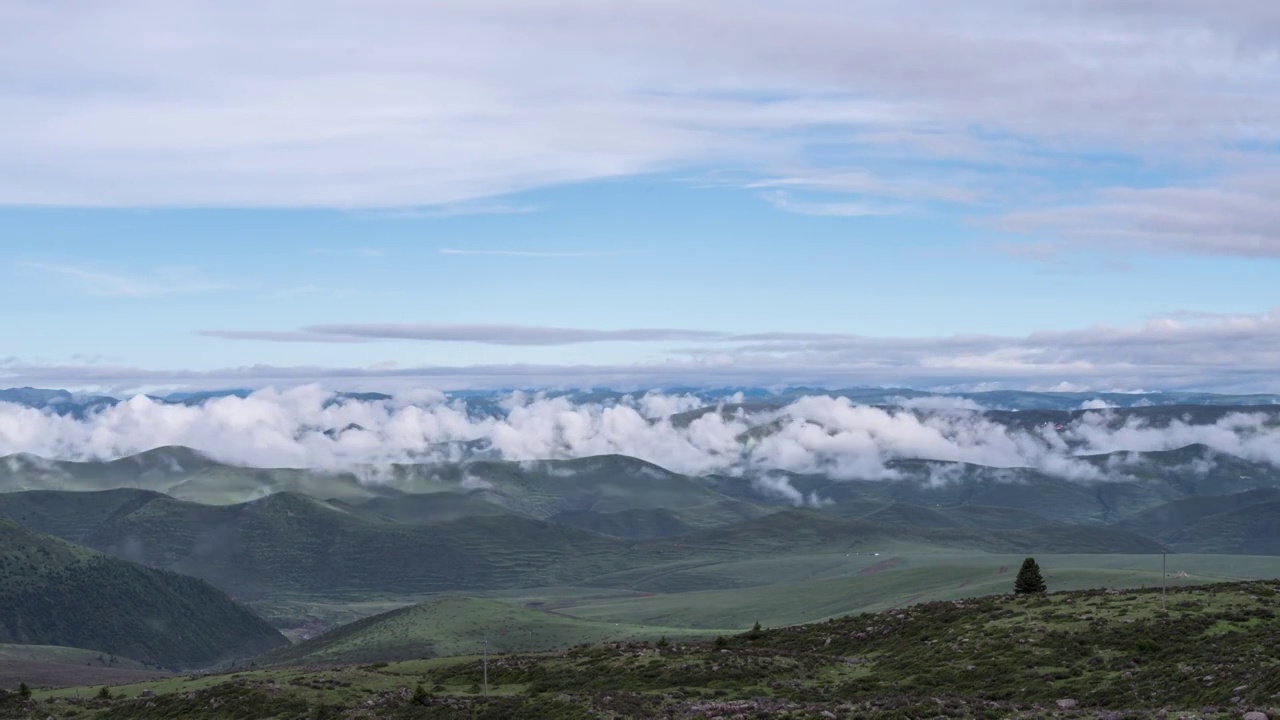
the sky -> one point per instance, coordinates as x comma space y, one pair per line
550, 193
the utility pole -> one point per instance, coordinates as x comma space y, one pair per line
1164, 578
486, 666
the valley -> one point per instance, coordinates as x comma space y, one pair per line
418, 562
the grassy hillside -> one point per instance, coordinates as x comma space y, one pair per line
647, 524
452, 626
1250, 529
794, 530
429, 508
56, 593
784, 590
292, 544
66, 656
1085, 654
287, 546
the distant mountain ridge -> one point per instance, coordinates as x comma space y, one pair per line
78, 404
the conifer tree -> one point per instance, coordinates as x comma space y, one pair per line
1029, 580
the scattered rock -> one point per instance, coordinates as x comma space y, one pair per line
1067, 704
1255, 715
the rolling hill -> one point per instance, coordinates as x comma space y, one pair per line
1253, 529
607, 485
451, 626
291, 544
1165, 520
55, 593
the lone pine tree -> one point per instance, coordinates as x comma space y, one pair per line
1029, 579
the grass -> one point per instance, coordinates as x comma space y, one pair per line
65, 656
790, 589
1115, 653
450, 626
39, 665
806, 588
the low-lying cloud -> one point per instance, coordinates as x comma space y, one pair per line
309, 427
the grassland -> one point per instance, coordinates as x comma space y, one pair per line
451, 626
1203, 652
55, 665
66, 656
806, 588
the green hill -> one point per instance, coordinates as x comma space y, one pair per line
435, 507
648, 524
796, 530
66, 656
1165, 520
55, 593
601, 484
1253, 529
451, 626
288, 545
291, 544
958, 516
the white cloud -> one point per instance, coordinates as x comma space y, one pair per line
843, 208
816, 434
438, 106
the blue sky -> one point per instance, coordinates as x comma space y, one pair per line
1043, 197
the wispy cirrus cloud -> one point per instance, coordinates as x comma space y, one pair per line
102, 283
830, 208
358, 251
1235, 352
483, 334
522, 253
1240, 219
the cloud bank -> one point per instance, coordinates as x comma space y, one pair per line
311, 428
870, 104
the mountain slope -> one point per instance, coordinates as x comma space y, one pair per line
794, 530
1253, 529
1165, 520
287, 543
55, 593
